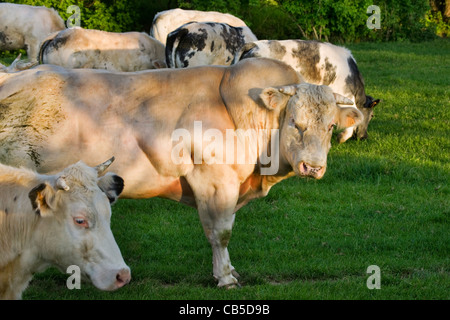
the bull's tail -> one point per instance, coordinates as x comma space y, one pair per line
173, 40
240, 54
44, 45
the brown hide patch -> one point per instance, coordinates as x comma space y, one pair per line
307, 56
277, 51
350, 122
224, 238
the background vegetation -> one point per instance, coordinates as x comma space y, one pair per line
384, 201
334, 21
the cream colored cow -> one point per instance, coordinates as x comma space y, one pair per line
58, 220
76, 48
23, 26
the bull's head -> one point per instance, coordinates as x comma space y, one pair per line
308, 115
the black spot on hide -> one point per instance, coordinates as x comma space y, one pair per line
185, 42
355, 83
233, 38
330, 73
3, 38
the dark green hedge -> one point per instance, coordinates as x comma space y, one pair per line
329, 20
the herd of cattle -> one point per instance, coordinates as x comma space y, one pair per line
93, 96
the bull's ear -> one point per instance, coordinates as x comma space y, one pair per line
349, 117
42, 199
112, 185
274, 98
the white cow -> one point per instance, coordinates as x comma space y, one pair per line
23, 26
165, 22
320, 63
58, 220
94, 49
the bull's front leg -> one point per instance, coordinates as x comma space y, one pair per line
216, 199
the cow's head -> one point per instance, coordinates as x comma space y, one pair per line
74, 224
367, 111
306, 124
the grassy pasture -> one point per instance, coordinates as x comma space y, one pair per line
384, 201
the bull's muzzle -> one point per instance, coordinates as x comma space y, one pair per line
307, 170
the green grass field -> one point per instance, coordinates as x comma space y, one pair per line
384, 201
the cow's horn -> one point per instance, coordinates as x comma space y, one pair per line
289, 90
62, 184
103, 166
14, 63
340, 99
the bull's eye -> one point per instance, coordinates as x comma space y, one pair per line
300, 129
81, 222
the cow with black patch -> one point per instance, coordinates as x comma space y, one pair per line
205, 43
320, 63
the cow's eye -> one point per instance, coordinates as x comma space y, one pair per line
332, 126
81, 222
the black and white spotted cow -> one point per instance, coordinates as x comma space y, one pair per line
167, 21
320, 63
205, 43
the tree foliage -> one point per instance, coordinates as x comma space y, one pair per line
328, 20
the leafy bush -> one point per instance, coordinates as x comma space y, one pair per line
328, 20
108, 15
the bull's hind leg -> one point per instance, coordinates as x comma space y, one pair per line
216, 201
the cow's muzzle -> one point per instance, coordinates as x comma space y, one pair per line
304, 169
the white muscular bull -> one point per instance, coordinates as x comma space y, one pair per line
200, 135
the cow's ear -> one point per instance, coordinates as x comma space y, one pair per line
42, 199
349, 117
274, 98
374, 103
112, 185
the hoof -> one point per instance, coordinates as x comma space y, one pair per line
232, 286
